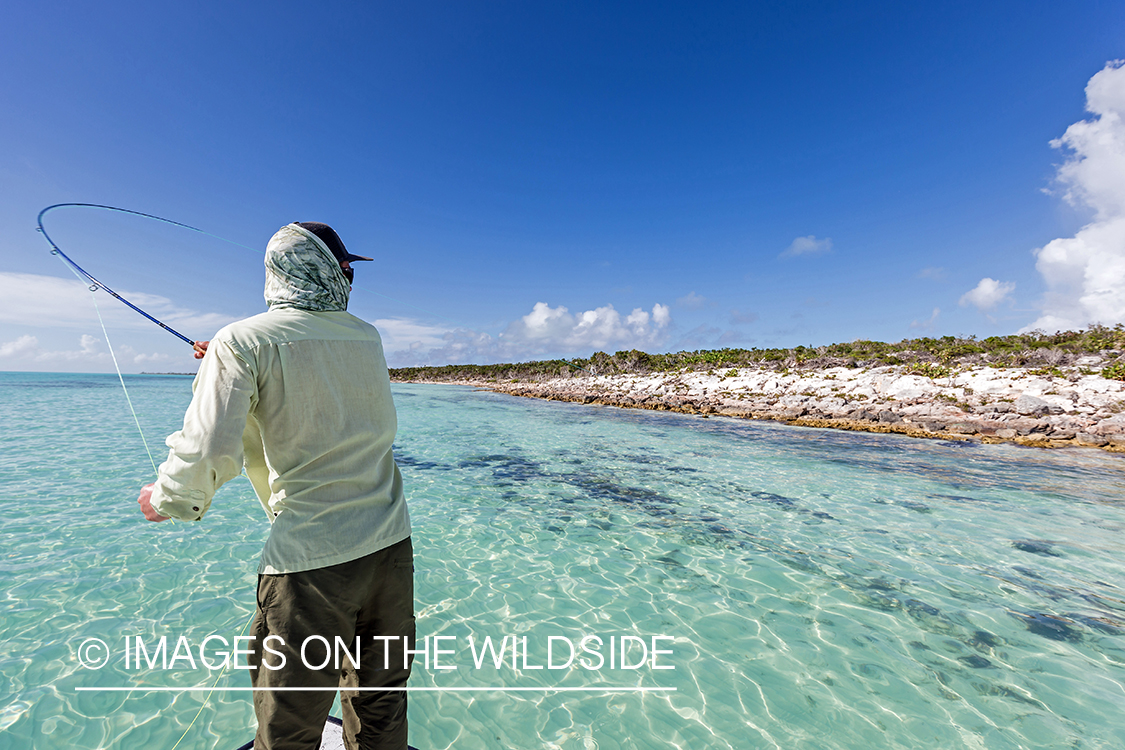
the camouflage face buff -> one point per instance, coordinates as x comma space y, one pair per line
301, 272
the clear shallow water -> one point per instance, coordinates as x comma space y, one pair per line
824, 589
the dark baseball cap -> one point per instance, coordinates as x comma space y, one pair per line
328, 236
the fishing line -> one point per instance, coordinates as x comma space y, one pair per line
120, 377
87, 278
210, 692
94, 284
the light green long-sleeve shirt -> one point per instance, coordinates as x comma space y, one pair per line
302, 399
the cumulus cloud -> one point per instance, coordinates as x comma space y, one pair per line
691, 301
89, 345
807, 246
1085, 274
27, 349
555, 328
50, 301
987, 294
19, 347
91, 355
411, 343
154, 359
404, 334
545, 331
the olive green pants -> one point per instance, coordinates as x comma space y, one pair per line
314, 618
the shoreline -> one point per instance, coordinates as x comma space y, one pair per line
985, 404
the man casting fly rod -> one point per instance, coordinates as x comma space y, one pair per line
299, 396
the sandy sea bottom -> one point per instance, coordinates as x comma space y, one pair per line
814, 589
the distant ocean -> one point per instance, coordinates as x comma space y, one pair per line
808, 588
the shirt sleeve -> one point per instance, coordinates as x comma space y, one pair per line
254, 462
208, 451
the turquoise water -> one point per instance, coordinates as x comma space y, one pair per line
820, 589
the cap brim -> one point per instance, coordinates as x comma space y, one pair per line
349, 257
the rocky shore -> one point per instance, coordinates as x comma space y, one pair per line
989, 404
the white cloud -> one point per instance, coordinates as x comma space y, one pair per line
409, 335
26, 349
548, 328
807, 246
545, 331
50, 301
155, 359
1085, 274
935, 273
19, 347
691, 301
89, 344
926, 325
987, 294
26, 352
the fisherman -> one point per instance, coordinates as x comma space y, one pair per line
299, 396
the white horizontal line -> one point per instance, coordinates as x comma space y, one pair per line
143, 689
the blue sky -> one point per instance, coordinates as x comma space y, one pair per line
674, 175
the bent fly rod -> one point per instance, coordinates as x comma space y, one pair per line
95, 284
91, 280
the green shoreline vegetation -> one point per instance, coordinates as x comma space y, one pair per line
1041, 353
